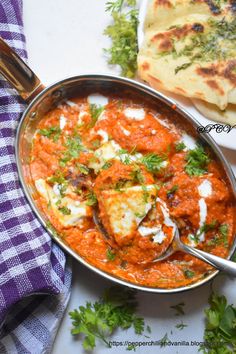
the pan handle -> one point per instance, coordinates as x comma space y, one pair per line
18, 74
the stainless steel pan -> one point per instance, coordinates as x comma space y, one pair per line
41, 100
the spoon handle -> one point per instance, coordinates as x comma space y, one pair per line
225, 265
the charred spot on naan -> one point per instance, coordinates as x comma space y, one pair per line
164, 3
166, 38
225, 70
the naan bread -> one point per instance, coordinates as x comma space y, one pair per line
165, 60
209, 110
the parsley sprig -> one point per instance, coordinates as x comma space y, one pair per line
99, 320
123, 33
220, 331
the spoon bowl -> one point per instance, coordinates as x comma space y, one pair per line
219, 263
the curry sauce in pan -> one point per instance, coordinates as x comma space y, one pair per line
143, 174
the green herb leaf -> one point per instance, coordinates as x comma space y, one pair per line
188, 273
51, 133
149, 329
95, 111
197, 161
153, 162
172, 190
178, 308
224, 229
164, 340
123, 33
182, 67
181, 326
83, 169
64, 210
131, 347
110, 255
106, 165
137, 175
91, 198
74, 147
205, 228
116, 309
220, 331
180, 146
59, 178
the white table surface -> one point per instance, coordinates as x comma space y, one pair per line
64, 38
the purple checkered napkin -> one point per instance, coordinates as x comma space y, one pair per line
29, 262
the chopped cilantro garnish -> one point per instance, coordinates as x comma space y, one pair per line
149, 329
205, 228
131, 346
181, 326
152, 162
182, 67
96, 143
120, 184
140, 215
64, 210
188, 273
220, 237
145, 193
106, 165
137, 175
51, 133
110, 255
83, 169
164, 340
95, 111
74, 147
91, 198
60, 179
172, 190
180, 146
197, 161
99, 320
123, 151
224, 229
123, 33
178, 308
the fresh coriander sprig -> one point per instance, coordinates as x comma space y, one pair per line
197, 161
123, 33
220, 330
116, 309
51, 133
153, 162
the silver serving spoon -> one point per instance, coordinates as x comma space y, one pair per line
225, 265
219, 263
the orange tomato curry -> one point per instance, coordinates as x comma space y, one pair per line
142, 173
